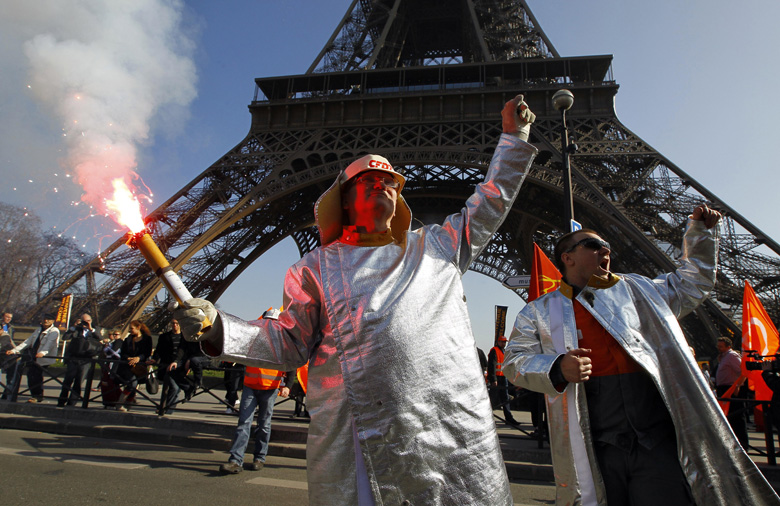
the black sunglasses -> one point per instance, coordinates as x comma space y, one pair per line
593, 243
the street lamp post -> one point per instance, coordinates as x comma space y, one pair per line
562, 101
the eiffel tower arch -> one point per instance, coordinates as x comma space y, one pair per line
422, 83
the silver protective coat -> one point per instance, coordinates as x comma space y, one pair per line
642, 315
392, 352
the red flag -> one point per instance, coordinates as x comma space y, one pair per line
759, 334
725, 405
545, 277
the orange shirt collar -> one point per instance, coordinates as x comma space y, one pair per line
595, 282
350, 236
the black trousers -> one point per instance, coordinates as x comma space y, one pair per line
502, 391
75, 373
10, 373
736, 416
643, 477
35, 379
233, 379
197, 364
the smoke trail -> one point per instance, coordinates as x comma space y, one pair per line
106, 68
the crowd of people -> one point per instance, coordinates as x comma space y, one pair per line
125, 361
400, 412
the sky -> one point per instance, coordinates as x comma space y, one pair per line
695, 83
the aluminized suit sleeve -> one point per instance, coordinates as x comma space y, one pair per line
685, 288
527, 362
284, 344
470, 230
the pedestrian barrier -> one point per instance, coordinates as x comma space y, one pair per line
52, 378
741, 405
109, 389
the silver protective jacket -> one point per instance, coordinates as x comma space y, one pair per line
642, 315
393, 357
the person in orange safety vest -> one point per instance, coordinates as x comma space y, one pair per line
496, 379
261, 388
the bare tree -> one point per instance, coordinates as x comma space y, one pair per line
20, 232
59, 258
32, 262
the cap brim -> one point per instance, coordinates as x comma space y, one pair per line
328, 212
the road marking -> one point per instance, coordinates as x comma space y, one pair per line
300, 485
71, 459
272, 482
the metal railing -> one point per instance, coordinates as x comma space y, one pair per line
53, 377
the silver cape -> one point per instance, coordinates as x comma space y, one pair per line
642, 315
392, 352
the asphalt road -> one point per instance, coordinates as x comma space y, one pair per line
42, 468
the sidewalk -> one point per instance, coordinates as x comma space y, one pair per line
202, 423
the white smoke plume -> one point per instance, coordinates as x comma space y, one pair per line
105, 68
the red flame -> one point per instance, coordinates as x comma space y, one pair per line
125, 207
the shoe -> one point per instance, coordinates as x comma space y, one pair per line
256, 465
236, 405
230, 468
34, 400
121, 408
230, 411
188, 394
60, 404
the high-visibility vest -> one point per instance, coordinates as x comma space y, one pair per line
262, 379
499, 360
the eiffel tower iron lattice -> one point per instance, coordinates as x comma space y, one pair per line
421, 82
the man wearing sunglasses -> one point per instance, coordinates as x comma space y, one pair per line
632, 419
397, 398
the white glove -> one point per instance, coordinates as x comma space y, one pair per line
191, 315
516, 118
524, 119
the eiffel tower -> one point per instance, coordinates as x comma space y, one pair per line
422, 83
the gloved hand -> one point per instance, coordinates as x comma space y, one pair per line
709, 216
191, 314
517, 118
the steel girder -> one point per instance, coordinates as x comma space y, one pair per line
396, 33
440, 124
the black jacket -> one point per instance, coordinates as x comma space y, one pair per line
167, 344
187, 350
82, 342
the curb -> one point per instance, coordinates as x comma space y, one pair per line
288, 438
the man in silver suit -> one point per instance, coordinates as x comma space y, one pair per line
398, 404
632, 419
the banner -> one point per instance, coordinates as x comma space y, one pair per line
545, 277
63, 312
758, 334
500, 322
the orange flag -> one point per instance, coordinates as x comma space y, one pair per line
759, 334
545, 277
303, 376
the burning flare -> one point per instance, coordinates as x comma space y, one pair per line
127, 212
125, 207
